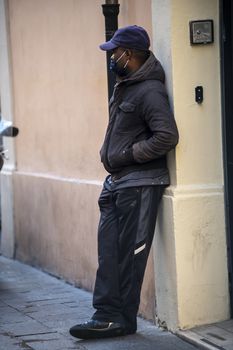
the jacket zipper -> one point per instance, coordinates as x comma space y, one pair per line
108, 139
110, 131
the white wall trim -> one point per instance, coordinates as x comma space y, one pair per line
194, 190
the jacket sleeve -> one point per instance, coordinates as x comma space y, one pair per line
160, 120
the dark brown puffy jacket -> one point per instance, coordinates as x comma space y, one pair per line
141, 127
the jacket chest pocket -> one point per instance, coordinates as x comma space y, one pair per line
126, 117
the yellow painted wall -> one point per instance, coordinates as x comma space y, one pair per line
191, 255
201, 124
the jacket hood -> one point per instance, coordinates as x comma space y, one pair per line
150, 70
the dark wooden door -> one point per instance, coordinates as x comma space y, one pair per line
226, 11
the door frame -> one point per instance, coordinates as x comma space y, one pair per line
226, 44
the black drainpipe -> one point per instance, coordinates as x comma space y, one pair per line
110, 11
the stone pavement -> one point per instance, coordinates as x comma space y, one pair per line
37, 310
212, 337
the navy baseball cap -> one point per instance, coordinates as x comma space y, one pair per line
130, 37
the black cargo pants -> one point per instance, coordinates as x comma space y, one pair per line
125, 234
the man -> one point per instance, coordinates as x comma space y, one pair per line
141, 131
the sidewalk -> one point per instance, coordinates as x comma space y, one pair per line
37, 310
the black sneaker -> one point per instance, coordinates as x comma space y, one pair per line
94, 329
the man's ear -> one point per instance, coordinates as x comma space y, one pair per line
129, 53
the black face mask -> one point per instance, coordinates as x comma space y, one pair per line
114, 67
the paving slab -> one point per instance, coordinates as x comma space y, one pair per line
25, 328
37, 310
8, 342
212, 337
53, 341
9, 315
227, 325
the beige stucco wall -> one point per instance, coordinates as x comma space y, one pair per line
60, 83
60, 106
59, 86
190, 250
136, 12
7, 191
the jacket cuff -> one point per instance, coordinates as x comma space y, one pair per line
128, 155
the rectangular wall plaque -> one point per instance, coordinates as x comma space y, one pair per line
201, 32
